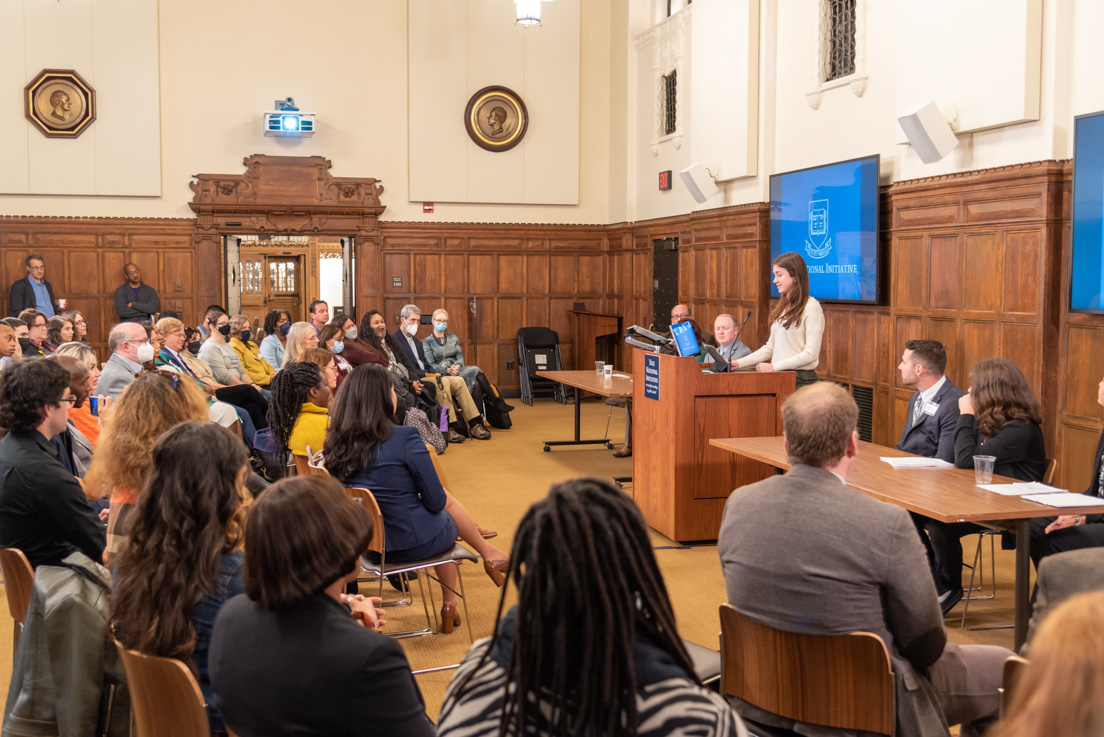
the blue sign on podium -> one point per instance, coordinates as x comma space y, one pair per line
651, 376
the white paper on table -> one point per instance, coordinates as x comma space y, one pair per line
1022, 488
621, 376
1065, 499
915, 462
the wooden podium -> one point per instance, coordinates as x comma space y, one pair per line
680, 482
597, 336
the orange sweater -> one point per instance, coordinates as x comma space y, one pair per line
86, 423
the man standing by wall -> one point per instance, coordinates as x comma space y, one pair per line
135, 301
33, 292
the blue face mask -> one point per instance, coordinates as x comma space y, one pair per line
285, 328
440, 327
338, 346
245, 335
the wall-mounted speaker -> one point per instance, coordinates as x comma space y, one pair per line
928, 132
699, 182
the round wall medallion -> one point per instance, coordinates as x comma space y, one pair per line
59, 103
496, 118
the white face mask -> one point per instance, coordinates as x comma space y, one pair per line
351, 333
145, 352
412, 329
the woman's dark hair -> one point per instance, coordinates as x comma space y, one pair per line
361, 418
302, 535
791, 306
1001, 394
189, 514
329, 330
290, 389
339, 320
588, 589
27, 387
272, 318
55, 326
367, 337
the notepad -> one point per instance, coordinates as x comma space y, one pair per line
915, 462
1065, 500
1022, 488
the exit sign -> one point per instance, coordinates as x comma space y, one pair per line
664, 180
427, 207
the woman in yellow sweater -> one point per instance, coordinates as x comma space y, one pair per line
249, 353
299, 411
797, 325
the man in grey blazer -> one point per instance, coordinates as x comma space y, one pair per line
1061, 576
933, 407
804, 552
125, 341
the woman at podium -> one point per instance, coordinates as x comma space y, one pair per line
797, 325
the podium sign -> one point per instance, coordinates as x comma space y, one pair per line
651, 376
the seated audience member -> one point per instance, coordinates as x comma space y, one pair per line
1060, 691
1051, 535
20, 329
374, 338
324, 360
74, 449
455, 395
332, 339
135, 301
152, 404
299, 411
295, 655
869, 573
1061, 576
82, 417
59, 330
356, 353
301, 336
184, 558
728, 345
933, 408
276, 326
80, 325
223, 359
43, 511
210, 313
249, 353
446, 357
154, 336
533, 675
364, 447
999, 417
129, 348
9, 344
35, 346
319, 315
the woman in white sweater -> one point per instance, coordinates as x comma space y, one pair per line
797, 325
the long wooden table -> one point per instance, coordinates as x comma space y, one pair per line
944, 494
591, 381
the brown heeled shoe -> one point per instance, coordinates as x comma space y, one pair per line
496, 569
486, 534
450, 618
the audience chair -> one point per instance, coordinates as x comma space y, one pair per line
18, 583
165, 700
838, 681
378, 544
313, 468
979, 561
1013, 671
706, 662
437, 467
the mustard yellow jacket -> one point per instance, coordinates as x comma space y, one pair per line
250, 357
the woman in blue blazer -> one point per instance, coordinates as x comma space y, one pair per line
364, 447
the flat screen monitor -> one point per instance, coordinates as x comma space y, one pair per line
1087, 250
829, 215
685, 341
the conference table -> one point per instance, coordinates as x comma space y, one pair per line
619, 385
944, 494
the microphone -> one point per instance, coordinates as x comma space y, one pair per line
741, 330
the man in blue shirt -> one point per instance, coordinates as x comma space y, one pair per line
34, 291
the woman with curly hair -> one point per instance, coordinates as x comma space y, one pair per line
60, 330
153, 403
299, 411
184, 556
277, 323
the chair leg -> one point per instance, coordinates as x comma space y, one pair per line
15, 637
979, 564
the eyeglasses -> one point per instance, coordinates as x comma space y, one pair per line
170, 375
681, 317
70, 400
39, 325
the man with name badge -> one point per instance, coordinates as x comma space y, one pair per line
933, 407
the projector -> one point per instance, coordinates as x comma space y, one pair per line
288, 121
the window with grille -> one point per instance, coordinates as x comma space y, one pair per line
840, 39
670, 101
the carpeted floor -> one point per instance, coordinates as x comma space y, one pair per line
498, 479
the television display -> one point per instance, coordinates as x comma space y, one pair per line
1087, 250
829, 215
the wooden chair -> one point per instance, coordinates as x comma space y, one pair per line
313, 469
1013, 671
165, 700
18, 583
838, 681
438, 468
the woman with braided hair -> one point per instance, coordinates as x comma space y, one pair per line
299, 411
591, 647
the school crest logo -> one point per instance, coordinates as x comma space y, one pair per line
818, 244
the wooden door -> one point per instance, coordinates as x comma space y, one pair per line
284, 286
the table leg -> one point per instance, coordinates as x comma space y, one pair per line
1023, 578
578, 430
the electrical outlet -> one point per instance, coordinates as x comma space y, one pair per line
509, 365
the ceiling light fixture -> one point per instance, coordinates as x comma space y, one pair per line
529, 12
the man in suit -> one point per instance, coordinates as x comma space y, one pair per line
455, 394
135, 301
803, 552
728, 345
1061, 576
33, 292
129, 350
933, 407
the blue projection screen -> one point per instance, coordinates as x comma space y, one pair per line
829, 215
1087, 259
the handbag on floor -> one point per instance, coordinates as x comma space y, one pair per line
428, 432
496, 411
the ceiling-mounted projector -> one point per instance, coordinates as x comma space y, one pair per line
288, 121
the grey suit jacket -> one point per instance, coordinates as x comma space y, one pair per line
117, 375
1061, 576
82, 450
933, 435
805, 553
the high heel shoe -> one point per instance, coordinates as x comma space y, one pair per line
450, 618
486, 534
496, 569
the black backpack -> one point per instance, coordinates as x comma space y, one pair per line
496, 411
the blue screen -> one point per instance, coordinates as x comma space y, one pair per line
829, 216
685, 338
1087, 261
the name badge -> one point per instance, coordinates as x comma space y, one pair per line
931, 408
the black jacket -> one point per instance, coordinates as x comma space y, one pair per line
934, 435
143, 308
311, 670
43, 511
1018, 447
408, 358
22, 297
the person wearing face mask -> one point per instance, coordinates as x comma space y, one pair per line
443, 350
333, 339
129, 350
35, 345
355, 350
224, 360
276, 326
241, 334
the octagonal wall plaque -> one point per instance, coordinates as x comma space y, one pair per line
59, 103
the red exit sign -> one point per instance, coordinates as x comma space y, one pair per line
664, 180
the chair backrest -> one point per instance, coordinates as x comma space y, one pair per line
1051, 470
18, 581
1013, 670
437, 467
302, 468
313, 469
839, 681
365, 497
165, 700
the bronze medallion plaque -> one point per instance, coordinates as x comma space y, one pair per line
496, 119
60, 103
